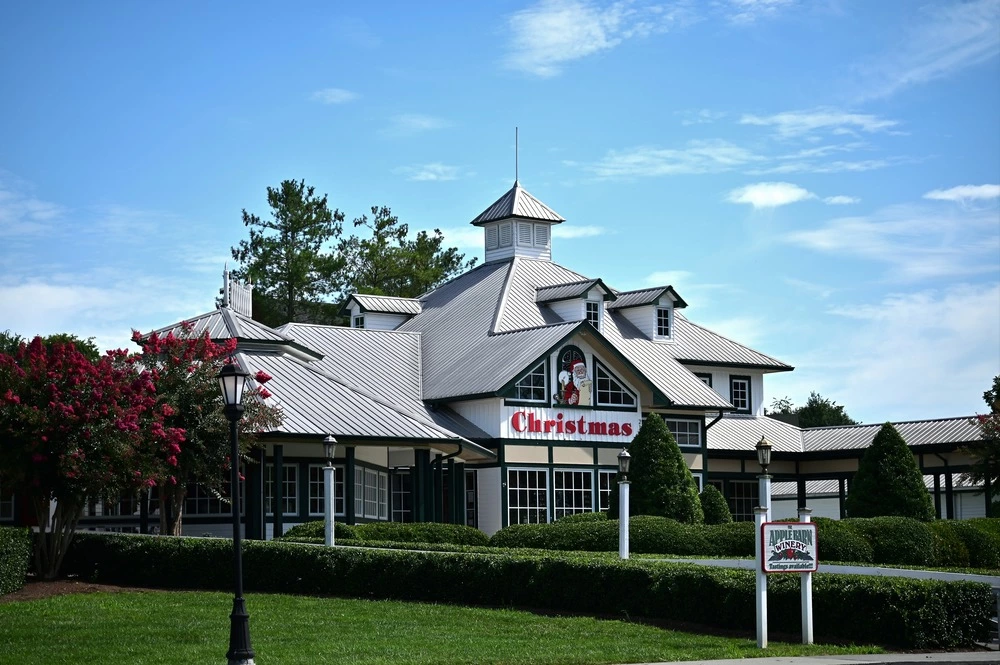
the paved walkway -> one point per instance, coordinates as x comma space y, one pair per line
950, 658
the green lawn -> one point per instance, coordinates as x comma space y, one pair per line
188, 627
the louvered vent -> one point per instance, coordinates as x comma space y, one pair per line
524, 233
542, 235
492, 237
505, 235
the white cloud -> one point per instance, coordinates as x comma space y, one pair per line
750, 11
667, 278
748, 330
570, 232
712, 156
914, 242
812, 288
22, 214
700, 117
546, 36
947, 39
769, 194
841, 200
964, 193
407, 124
334, 96
432, 172
800, 123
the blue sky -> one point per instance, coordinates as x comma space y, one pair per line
819, 180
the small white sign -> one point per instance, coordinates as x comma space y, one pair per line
789, 547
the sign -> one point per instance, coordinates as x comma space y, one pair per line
789, 547
569, 425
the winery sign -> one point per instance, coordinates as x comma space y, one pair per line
789, 547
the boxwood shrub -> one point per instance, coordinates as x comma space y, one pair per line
949, 550
584, 517
400, 532
918, 614
838, 542
896, 540
15, 557
316, 529
982, 543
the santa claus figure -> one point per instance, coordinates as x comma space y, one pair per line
582, 384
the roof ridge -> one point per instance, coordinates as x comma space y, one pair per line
379, 295
578, 281
501, 305
542, 327
892, 422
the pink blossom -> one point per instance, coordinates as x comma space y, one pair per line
262, 377
265, 393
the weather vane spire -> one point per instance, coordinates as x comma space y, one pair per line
515, 154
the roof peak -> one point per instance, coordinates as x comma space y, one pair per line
518, 202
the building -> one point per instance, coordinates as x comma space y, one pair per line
505, 395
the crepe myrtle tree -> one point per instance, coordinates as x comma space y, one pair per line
73, 428
985, 453
184, 369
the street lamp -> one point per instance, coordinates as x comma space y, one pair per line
329, 443
624, 461
763, 448
232, 380
762, 514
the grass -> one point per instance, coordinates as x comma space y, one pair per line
186, 627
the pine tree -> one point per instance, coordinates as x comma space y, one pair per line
888, 481
714, 505
662, 484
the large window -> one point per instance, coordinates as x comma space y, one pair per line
289, 489
402, 496
594, 313
471, 500
686, 432
316, 485
611, 391
663, 316
371, 494
95, 507
605, 480
527, 496
531, 388
743, 498
572, 492
739, 393
203, 501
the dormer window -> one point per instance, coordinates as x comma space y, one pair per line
358, 321
594, 313
611, 391
664, 322
531, 387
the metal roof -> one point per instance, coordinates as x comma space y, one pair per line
517, 202
697, 345
832, 486
646, 297
383, 304
556, 292
741, 432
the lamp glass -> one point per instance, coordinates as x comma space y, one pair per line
764, 452
624, 462
232, 380
328, 446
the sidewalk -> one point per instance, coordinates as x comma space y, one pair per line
950, 658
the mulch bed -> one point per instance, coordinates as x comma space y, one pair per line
36, 589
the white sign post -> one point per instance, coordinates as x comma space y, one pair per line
623, 519
806, 584
791, 547
760, 514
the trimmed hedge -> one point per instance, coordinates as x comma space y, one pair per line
949, 550
15, 557
583, 517
982, 542
897, 540
400, 532
900, 612
838, 542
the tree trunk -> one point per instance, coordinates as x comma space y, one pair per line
172, 508
55, 533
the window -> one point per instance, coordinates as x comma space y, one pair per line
471, 502
531, 388
94, 508
739, 393
686, 432
492, 237
371, 494
505, 235
573, 492
6, 504
402, 496
663, 316
316, 483
203, 501
594, 313
743, 498
383, 495
605, 481
359, 491
705, 378
289, 489
527, 496
697, 481
358, 321
611, 391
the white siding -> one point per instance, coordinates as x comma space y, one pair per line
484, 413
569, 310
786, 508
489, 498
967, 505
643, 318
377, 321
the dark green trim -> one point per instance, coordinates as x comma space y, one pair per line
715, 363
349, 487
749, 380
595, 362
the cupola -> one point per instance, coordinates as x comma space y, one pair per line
518, 224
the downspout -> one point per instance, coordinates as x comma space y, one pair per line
717, 419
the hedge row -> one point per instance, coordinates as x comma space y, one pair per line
419, 532
15, 557
886, 540
895, 611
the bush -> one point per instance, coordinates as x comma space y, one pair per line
949, 550
982, 543
714, 505
907, 613
583, 517
421, 532
341, 531
731, 539
897, 540
888, 481
15, 557
838, 542
659, 535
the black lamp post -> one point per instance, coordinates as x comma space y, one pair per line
232, 381
764, 453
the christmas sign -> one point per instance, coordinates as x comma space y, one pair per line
789, 547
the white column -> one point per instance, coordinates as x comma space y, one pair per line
623, 519
764, 494
760, 516
328, 504
806, 585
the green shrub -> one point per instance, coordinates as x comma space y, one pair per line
991, 524
421, 532
660, 535
918, 614
583, 517
838, 542
888, 481
949, 550
730, 539
896, 540
715, 507
317, 529
982, 543
15, 557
